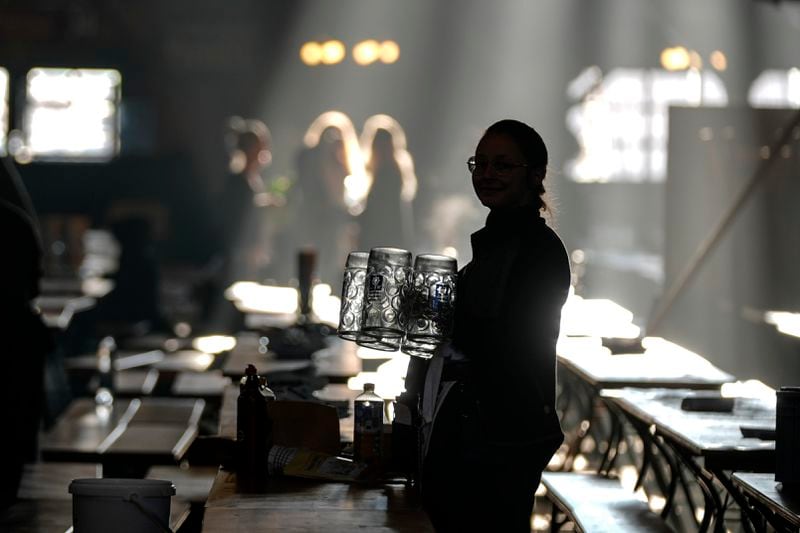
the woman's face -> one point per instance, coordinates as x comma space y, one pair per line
500, 177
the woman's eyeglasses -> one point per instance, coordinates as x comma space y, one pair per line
499, 167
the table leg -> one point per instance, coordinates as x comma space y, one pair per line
750, 518
614, 441
687, 492
674, 476
713, 505
650, 442
587, 419
668, 488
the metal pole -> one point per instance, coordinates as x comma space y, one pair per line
713, 238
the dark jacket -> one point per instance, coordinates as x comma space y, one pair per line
508, 312
26, 340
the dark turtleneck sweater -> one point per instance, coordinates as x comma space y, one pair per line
508, 312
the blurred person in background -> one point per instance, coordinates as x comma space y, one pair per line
26, 340
243, 195
238, 213
321, 219
388, 219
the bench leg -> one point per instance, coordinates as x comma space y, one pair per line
555, 523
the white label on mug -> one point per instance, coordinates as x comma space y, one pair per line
374, 287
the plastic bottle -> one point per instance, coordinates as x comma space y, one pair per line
368, 433
104, 395
253, 432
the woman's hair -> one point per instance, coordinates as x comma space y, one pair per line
532, 146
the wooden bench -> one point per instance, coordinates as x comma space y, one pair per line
597, 504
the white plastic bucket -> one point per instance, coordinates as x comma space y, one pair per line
120, 505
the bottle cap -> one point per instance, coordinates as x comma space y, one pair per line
251, 370
369, 387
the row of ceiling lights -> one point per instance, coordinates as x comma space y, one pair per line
364, 53
370, 51
679, 58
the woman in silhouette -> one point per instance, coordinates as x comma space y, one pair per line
495, 426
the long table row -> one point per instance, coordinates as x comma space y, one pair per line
705, 448
701, 460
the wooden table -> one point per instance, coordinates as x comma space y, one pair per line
667, 366
182, 373
708, 444
338, 362
137, 383
303, 505
716, 437
300, 505
266, 363
57, 310
586, 368
44, 504
769, 503
126, 438
67, 286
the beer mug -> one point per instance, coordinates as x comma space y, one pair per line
430, 304
383, 320
355, 272
385, 344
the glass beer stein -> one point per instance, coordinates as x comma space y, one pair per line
430, 304
383, 319
355, 274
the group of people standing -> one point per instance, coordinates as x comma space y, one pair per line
260, 228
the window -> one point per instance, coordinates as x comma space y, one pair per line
776, 88
71, 114
621, 120
3, 109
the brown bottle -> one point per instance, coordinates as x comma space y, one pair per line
253, 432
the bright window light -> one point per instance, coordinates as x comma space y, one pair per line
72, 113
620, 119
596, 317
252, 297
751, 388
784, 321
3, 109
214, 343
776, 88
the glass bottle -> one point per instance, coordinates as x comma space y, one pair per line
368, 431
253, 432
